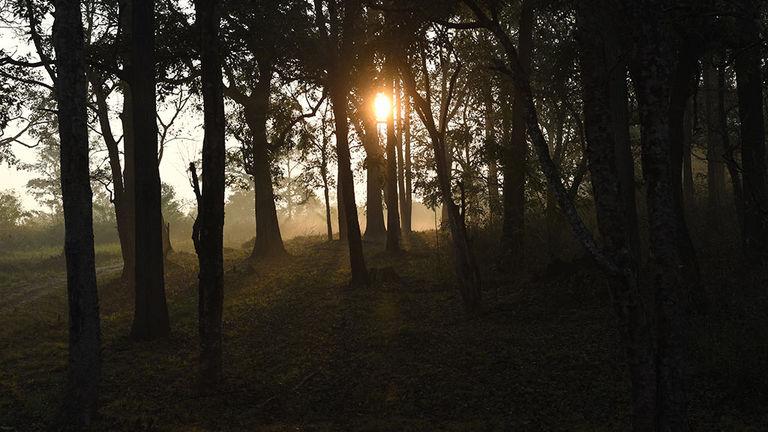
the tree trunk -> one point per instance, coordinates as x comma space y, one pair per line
517, 150
400, 158
689, 193
129, 186
393, 212
150, 319
467, 271
683, 85
750, 92
124, 230
269, 241
715, 167
625, 162
374, 163
407, 203
328, 225
339, 95
652, 72
490, 144
342, 217
211, 213
605, 145
84, 357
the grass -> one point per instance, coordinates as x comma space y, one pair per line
302, 351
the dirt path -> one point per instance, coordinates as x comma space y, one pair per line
28, 291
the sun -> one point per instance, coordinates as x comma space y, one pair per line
381, 107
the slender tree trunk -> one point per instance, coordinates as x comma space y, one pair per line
374, 162
339, 102
407, 203
517, 150
84, 357
328, 225
150, 319
342, 217
393, 212
602, 97
689, 194
715, 167
467, 271
269, 241
625, 162
210, 217
682, 87
490, 144
750, 92
400, 158
124, 231
129, 186
652, 71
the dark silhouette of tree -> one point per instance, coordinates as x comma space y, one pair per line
337, 33
393, 211
151, 312
209, 224
84, 359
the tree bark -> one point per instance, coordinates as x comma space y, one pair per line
84, 357
393, 212
517, 149
374, 168
605, 144
269, 241
490, 144
399, 129
715, 149
210, 217
407, 204
750, 93
652, 70
150, 319
467, 271
339, 95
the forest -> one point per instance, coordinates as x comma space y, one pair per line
383, 215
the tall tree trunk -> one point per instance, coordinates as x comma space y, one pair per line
326, 196
124, 230
339, 95
84, 357
604, 149
400, 157
210, 219
342, 217
516, 150
467, 271
689, 194
150, 319
625, 162
683, 85
129, 147
374, 163
652, 71
750, 92
490, 144
407, 203
269, 241
393, 212
715, 166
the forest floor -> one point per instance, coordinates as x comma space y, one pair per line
302, 351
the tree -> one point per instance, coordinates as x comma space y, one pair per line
337, 43
465, 265
750, 93
516, 148
208, 235
84, 359
150, 319
393, 212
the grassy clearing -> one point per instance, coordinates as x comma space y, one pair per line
304, 352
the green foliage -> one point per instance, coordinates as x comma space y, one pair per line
11, 210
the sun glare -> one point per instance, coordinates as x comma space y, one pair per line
381, 107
